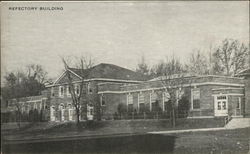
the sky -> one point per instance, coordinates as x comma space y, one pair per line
116, 32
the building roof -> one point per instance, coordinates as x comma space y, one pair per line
110, 71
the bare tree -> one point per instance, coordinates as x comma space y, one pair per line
198, 63
171, 65
37, 72
77, 97
173, 86
18, 112
231, 56
142, 67
173, 79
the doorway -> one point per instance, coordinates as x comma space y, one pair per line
221, 105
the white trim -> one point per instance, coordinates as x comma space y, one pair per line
67, 91
130, 95
218, 76
228, 88
74, 73
184, 85
200, 117
192, 105
229, 94
77, 86
98, 79
138, 102
163, 101
221, 111
61, 94
104, 83
57, 79
150, 102
101, 99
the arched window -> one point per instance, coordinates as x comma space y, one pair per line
70, 106
61, 106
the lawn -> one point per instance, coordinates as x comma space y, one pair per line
97, 128
221, 142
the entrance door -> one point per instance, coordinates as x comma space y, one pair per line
221, 105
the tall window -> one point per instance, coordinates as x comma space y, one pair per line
165, 99
195, 98
154, 104
130, 102
141, 104
77, 90
89, 89
52, 92
68, 91
61, 91
102, 100
35, 105
238, 103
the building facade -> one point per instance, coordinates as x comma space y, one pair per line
110, 90
61, 105
206, 96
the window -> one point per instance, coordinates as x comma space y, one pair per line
43, 104
35, 105
221, 97
141, 98
219, 106
91, 111
89, 89
238, 103
130, 102
22, 107
68, 91
165, 99
61, 107
195, 98
52, 92
77, 90
61, 91
179, 93
141, 105
103, 101
154, 104
130, 99
70, 106
224, 105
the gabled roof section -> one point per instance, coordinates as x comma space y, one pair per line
110, 71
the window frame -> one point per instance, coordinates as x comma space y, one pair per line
68, 91
192, 99
89, 88
61, 92
102, 98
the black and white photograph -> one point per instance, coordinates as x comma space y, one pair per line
125, 77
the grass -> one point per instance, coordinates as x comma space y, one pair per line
221, 142
114, 127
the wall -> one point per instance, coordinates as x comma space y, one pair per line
247, 96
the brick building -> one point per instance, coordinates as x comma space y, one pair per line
110, 89
61, 107
207, 96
